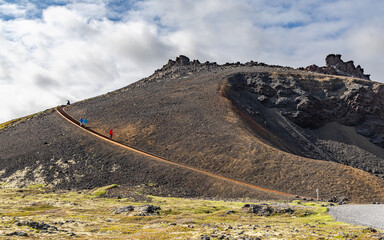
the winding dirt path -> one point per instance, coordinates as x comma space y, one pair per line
65, 115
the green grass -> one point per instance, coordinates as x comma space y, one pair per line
38, 207
90, 216
38, 186
101, 191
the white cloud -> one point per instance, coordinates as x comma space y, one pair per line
75, 52
367, 43
65, 55
210, 30
94, 9
11, 10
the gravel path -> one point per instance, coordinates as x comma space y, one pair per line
366, 215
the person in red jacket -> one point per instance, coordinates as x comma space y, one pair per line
110, 133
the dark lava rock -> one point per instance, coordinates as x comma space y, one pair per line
369, 229
205, 237
284, 210
267, 210
147, 210
36, 225
124, 209
261, 210
311, 103
182, 60
17, 233
339, 200
336, 66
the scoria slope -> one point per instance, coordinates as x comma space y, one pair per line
48, 150
209, 116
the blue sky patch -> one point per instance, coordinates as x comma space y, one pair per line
117, 9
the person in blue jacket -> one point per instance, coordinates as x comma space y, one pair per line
81, 121
85, 121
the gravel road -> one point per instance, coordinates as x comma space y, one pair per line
366, 215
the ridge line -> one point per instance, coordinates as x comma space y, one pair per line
67, 117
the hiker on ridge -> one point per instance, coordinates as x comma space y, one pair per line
81, 121
110, 133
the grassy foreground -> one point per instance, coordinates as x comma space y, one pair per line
36, 213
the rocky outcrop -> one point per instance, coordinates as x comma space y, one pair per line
37, 225
180, 61
145, 210
334, 65
313, 103
124, 209
17, 233
182, 66
267, 210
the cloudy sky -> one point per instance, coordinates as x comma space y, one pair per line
53, 50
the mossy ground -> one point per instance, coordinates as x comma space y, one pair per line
81, 215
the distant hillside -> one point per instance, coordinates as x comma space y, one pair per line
274, 127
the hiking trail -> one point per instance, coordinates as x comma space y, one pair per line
65, 115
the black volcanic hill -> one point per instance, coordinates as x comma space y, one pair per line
283, 129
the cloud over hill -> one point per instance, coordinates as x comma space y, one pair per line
58, 50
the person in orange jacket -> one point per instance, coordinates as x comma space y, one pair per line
110, 133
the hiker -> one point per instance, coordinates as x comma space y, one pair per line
85, 121
68, 103
110, 133
81, 121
